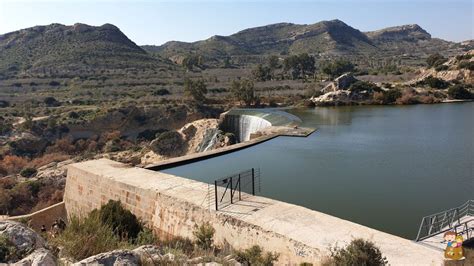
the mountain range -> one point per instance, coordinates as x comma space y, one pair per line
68, 50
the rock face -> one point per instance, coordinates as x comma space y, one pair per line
332, 98
22, 237
337, 93
27, 241
342, 82
452, 71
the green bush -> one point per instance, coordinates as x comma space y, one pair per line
83, 238
389, 96
337, 68
435, 60
161, 92
459, 92
466, 65
256, 256
358, 252
146, 237
28, 172
124, 223
434, 82
204, 235
360, 85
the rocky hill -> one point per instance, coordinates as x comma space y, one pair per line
56, 50
327, 39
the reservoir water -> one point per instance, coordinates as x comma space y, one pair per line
381, 166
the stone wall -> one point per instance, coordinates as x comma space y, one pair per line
173, 205
45, 217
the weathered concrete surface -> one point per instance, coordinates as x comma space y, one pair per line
45, 216
173, 206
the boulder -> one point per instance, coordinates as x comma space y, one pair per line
39, 257
22, 237
148, 253
342, 82
116, 258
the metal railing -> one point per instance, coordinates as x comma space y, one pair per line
234, 188
444, 221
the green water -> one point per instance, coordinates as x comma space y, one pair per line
384, 167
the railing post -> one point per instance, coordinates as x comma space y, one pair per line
240, 197
231, 191
215, 193
253, 181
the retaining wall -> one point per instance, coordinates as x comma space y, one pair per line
173, 205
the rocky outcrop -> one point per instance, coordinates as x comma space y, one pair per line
27, 243
332, 98
338, 92
198, 136
116, 257
22, 237
342, 82
147, 255
451, 70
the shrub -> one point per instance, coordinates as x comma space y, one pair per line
244, 91
204, 235
179, 243
124, 224
435, 60
51, 102
83, 238
359, 86
161, 92
337, 68
408, 97
459, 92
168, 143
196, 90
28, 172
256, 256
13, 164
358, 252
434, 82
146, 237
387, 97
466, 65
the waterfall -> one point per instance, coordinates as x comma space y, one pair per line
209, 139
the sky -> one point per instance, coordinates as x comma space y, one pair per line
156, 22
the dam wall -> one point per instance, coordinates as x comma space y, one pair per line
173, 206
245, 122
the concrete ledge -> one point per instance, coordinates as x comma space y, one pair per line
173, 205
267, 134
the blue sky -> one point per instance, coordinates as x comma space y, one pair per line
155, 22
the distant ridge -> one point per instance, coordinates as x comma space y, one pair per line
61, 50
325, 38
